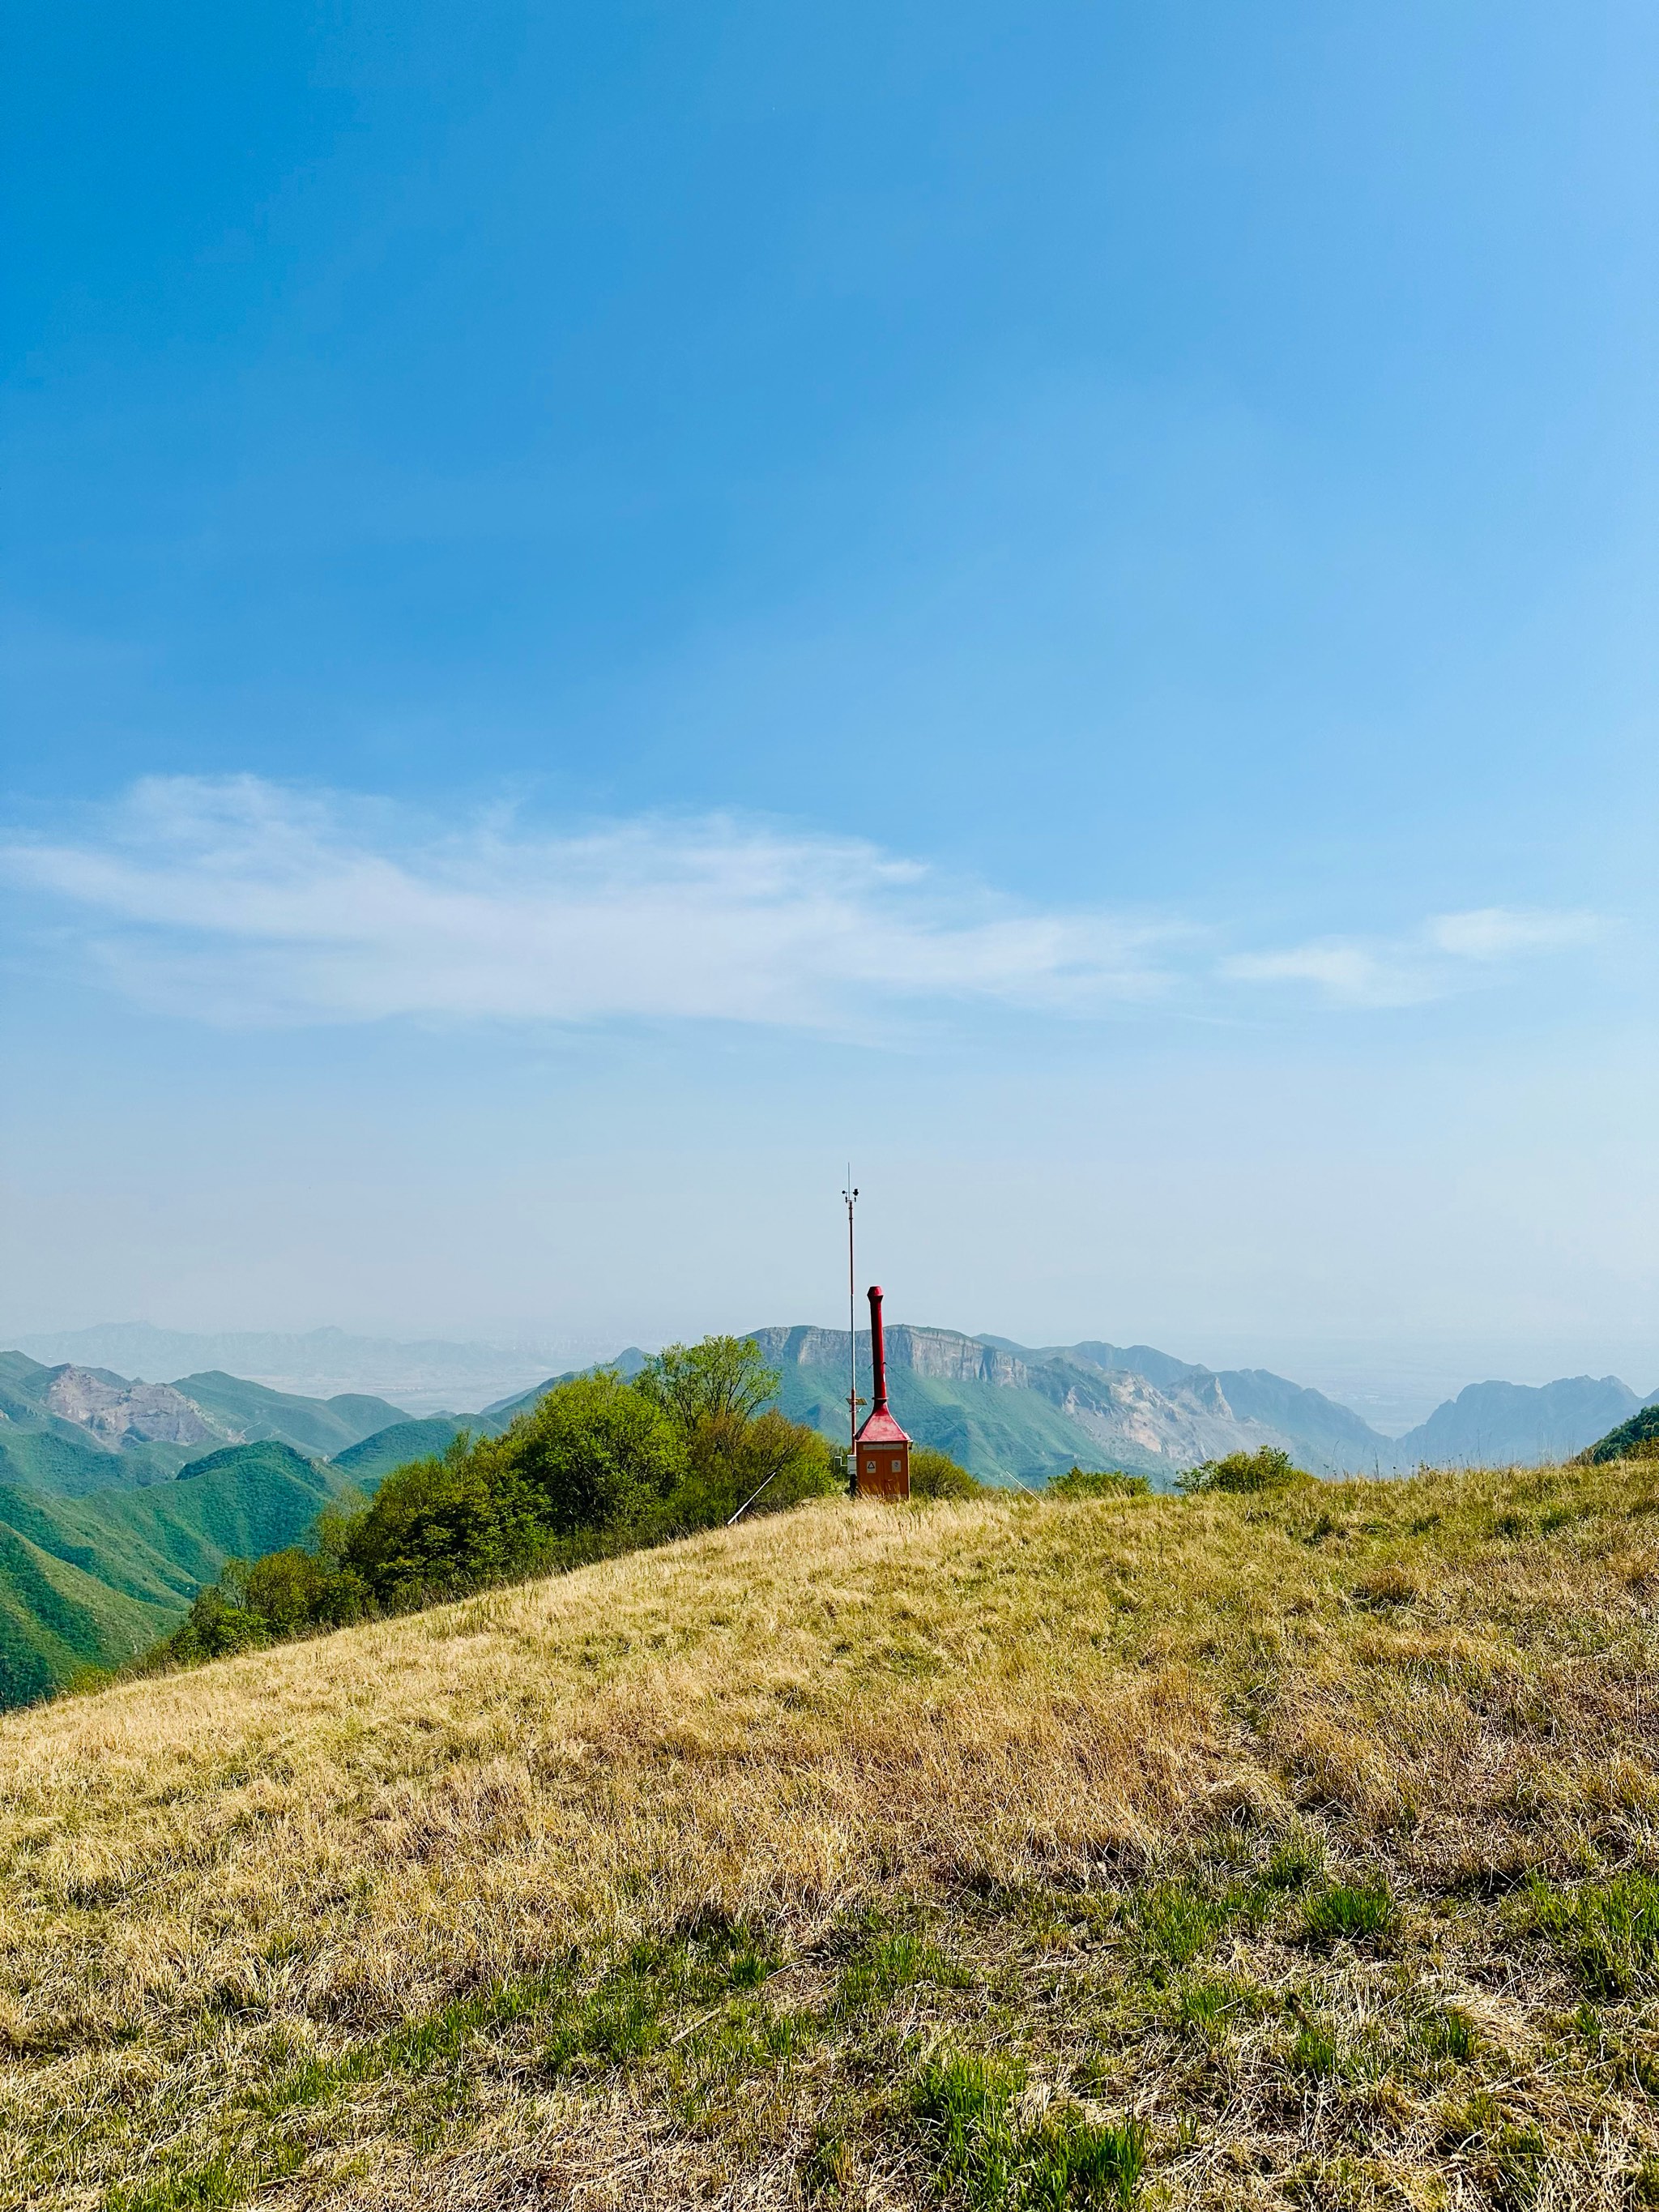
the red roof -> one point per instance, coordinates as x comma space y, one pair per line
881, 1429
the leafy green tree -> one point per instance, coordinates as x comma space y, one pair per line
595, 1454
439, 1527
723, 1378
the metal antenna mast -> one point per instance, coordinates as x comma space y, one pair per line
850, 1193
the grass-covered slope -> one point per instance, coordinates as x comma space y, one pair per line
92, 1581
1287, 1850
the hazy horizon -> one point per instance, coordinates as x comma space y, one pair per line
1391, 1396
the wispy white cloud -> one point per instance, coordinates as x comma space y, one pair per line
247, 902
1434, 962
243, 902
1499, 932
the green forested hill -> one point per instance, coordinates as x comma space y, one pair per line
56, 1619
322, 1426
54, 1455
91, 1581
1638, 1437
116, 1507
167, 1424
376, 1455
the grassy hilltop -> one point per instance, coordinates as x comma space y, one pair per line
1298, 1849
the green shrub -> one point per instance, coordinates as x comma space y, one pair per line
766, 1463
936, 1474
1244, 1473
215, 1628
296, 1589
1102, 1482
441, 1527
595, 1452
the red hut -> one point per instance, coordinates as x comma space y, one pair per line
881, 1450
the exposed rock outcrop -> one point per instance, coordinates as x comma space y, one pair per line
114, 1409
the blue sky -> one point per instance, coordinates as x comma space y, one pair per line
601, 607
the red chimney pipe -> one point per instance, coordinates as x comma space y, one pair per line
878, 1353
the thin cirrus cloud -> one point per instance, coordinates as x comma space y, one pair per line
246, 902
1446, 954
243, 902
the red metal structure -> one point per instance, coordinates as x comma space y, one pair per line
881, 1450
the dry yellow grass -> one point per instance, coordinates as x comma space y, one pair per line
669, 1880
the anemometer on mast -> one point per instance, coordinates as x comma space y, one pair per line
849, 1193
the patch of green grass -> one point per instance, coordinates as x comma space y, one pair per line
1173, 1921
1314, 2051
964, 2103
435, 2040
1449, 2034
1513, 2168
1087, 1482
1295, 1861
891, 1963
1347, 1913
1607, 1933
1070, 2161
1206, 2003
199, 2189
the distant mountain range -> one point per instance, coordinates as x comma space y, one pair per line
1022, 1413
77, 1429
427, 1376
119, 1498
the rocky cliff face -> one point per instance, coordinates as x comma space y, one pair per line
1171, 1418
939, 1353
115, 1409
1190, 1422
